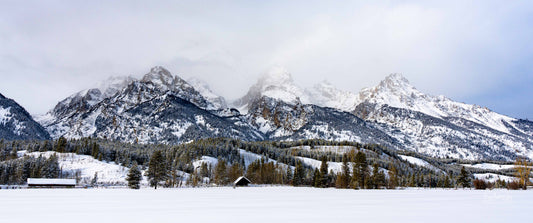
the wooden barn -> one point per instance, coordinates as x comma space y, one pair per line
51, 182
241, 182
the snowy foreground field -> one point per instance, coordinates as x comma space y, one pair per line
263, 204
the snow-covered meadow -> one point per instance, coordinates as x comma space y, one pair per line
263, 204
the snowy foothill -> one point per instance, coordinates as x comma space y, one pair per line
107, 172
419, 162
492, 177
263, 204
490, 166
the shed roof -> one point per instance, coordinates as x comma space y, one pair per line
241, 178
51, 181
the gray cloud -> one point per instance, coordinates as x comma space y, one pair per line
49, 50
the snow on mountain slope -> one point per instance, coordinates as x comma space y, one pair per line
144, 110
326, 95
396, 91
276, 83
5, 115
217, 101
87, 166
16, 123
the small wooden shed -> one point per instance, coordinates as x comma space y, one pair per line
51, 182
241, 182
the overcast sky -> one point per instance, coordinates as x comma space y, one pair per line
478, 52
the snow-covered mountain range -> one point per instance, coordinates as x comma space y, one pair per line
163, 108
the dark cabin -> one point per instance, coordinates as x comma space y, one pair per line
241, 182
51, 182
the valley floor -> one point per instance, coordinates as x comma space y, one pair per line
263, 204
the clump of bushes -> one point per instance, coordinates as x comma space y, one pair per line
480, 184
513, 185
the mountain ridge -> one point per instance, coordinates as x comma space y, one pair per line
393, 113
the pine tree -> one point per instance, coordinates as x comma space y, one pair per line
221, 173
463, 179
288, 175
299, 173
61, 144
344, 177
393, 177
134, 177
235, 171
157, 169
316, 178
324, 178
360, 170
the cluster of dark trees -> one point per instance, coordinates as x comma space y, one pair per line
16, 171
364, 166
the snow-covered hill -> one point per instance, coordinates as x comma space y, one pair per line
108, 173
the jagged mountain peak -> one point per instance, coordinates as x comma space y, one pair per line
396, 78
396, 91
113, 85
276, 83
276, 76
326, 94
395, 82
161, 77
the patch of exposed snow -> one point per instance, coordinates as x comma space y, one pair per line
491, 177
205, 159
5, 115
490, 166
419, 162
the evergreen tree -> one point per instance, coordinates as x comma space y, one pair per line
235, 171
61, 144
316, 181
288, 175
393, 177
344, 177
157, 169
134, 177
221, 173
463, 179
324, 178
360, 170
299, 173
13, 153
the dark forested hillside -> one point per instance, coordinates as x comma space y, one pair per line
298, 163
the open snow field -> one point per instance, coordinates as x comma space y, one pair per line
263, 204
